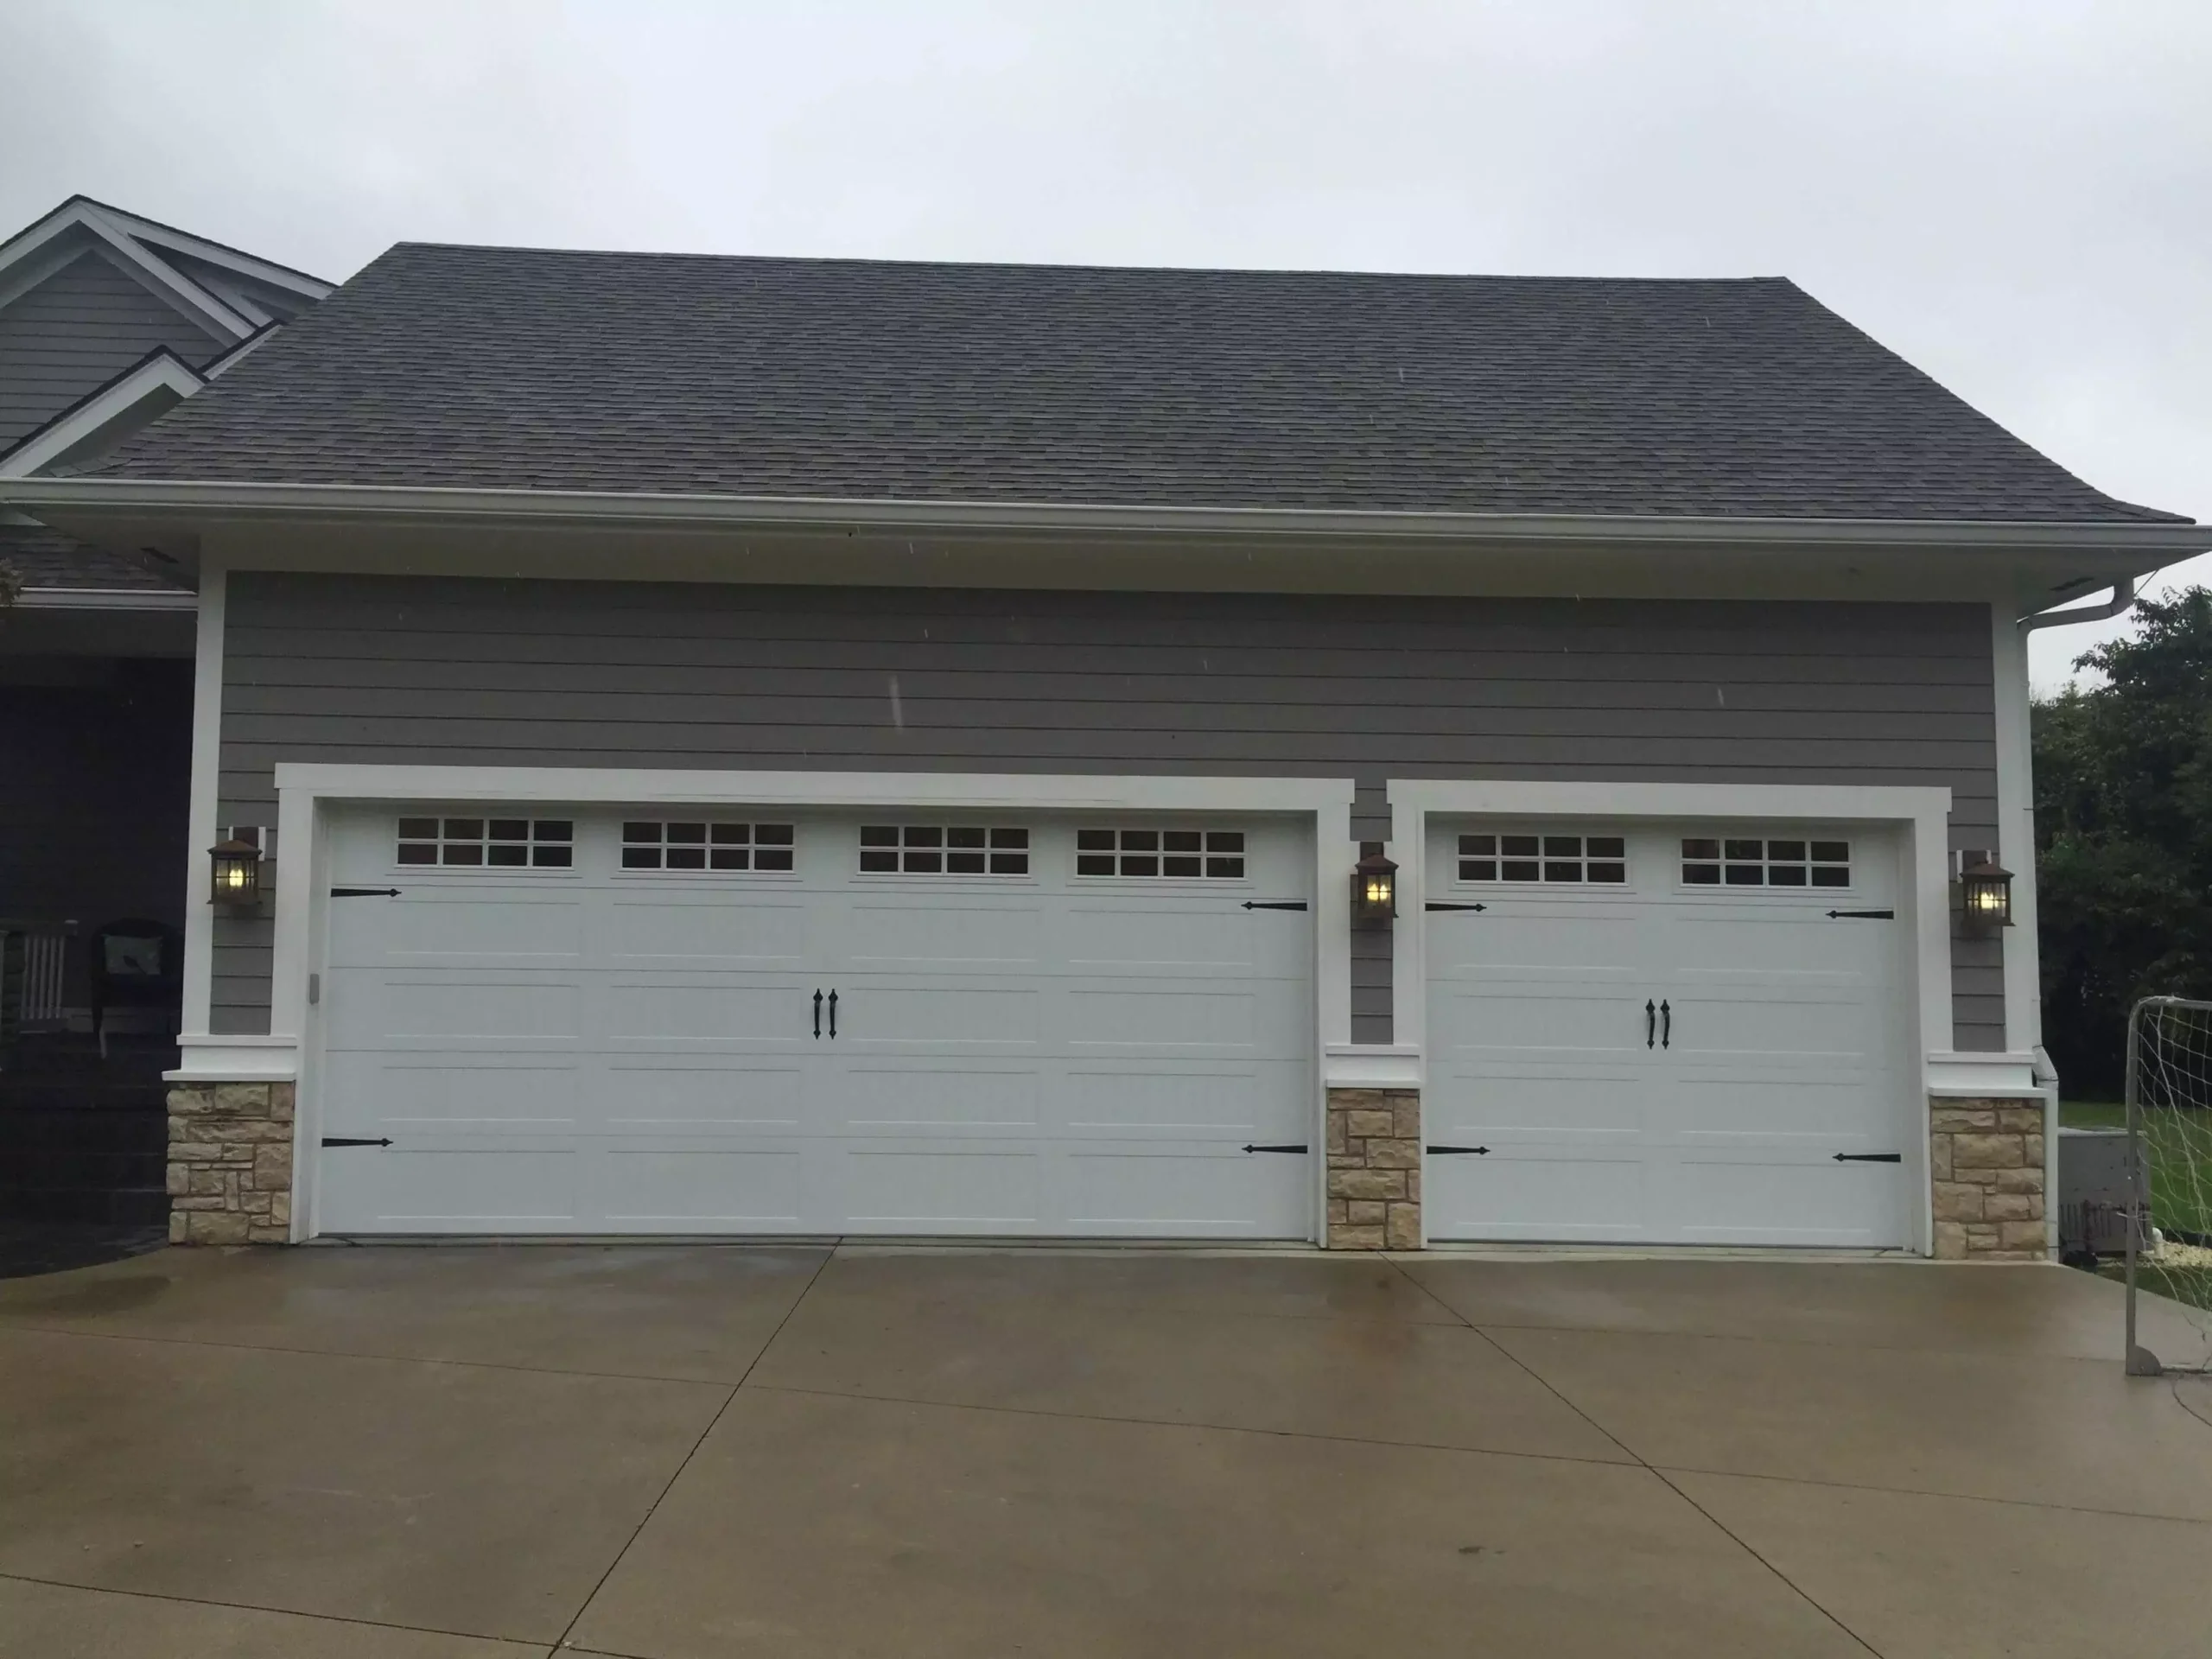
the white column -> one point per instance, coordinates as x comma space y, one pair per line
206, 790
2016, 829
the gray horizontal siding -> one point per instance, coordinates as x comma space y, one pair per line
77, 330
531, 673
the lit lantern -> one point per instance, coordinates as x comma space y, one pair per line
1986, 893
237, 876
1374, 887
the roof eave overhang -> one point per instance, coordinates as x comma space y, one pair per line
188, 503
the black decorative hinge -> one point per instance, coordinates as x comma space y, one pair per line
1275, 904
353, 1141
1300, 1146
364, 893
1477, 1152
1862, 915
1437, 906
1870, 1157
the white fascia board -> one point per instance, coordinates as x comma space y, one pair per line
163, 373
106, 599
227, 499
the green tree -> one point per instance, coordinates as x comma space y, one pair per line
2124, 836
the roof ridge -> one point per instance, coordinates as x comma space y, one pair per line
893, 264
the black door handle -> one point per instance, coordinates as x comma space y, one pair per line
1666, 1025
1650, 1018
817, 1016
1870, 1157
1477, 1152
1298, 1147
833, 1016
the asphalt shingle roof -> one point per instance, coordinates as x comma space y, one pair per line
680, 374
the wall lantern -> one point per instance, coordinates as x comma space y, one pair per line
1374, 887
236, 873
1985, 891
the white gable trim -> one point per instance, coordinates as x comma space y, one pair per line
161, 373
139, 243
161, 238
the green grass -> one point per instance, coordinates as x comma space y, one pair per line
2175, 1200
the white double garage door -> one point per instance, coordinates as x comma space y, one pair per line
889, 1022
574, 1020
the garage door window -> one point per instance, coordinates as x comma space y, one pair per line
943, 849
1544, 858
498, 843
655, 844
1203, 855
1753, 861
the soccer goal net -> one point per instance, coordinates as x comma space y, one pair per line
2169, 1164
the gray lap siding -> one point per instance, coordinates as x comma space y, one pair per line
455, 672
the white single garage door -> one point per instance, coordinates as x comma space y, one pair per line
890, 1022
1666, 1033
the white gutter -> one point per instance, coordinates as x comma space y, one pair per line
2124, 594
106, 599
227, 499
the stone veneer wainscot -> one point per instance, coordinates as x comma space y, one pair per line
1985, 1161
1374, 1169
230, 1173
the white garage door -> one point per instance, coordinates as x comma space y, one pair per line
1677, 1033
892, 1022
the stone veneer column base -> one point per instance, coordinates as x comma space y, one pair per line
1986, 1162
1374, 1169
231, 1163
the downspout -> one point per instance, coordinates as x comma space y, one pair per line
2123, 595
2123, 599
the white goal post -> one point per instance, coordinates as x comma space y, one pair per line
2168, 1227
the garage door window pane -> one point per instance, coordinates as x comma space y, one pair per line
1558, 860
943, 849
1784, 861
699, 844
1168, 855
477, 843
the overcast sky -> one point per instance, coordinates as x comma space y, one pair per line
2015, 194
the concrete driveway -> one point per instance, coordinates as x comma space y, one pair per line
697, 1453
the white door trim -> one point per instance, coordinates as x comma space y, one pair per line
303, 790
1922, 813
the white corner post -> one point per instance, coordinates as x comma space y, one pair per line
2016, 829
206, 793
2016, 851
